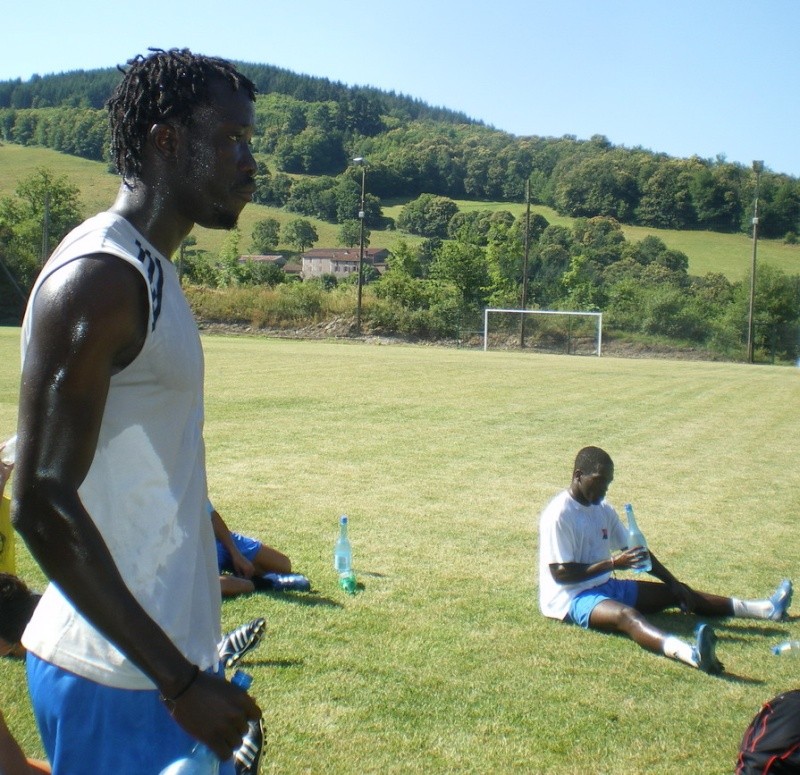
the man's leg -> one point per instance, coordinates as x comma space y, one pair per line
598, 609
231, 586
269, 560
613, 616
655, 597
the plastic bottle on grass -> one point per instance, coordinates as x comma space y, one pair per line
342, 553
787, 648
636, 538
201, 759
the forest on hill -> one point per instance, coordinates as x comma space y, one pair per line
311, 126
309, 132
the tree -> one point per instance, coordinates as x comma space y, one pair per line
428, 215
716, 196
229, 272
45, 209
465, 266
261, 273
265, 235
666, 202
300, 233
598, 185
350, 234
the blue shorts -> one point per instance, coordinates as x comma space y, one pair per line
247, 546
582, 605
88, 728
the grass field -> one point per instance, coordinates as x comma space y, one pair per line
729, 254
443, 459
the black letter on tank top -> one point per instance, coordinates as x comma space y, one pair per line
155, 279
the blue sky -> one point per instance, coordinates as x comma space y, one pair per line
683, 77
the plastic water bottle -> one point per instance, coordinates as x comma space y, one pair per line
9, 453
342, 553
636, 538
201, 759
789, 648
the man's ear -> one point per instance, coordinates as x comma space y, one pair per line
164, 139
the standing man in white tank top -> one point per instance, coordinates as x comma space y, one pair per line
110, 491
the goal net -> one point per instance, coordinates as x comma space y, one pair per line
543, 330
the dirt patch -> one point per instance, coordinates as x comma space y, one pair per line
345, 328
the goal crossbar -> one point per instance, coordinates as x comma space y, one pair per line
597, 315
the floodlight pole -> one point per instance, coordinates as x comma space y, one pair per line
525, 262
758, 168
362, 163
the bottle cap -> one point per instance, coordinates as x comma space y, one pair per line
343, 519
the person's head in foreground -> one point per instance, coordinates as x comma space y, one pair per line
16, 608
183, 123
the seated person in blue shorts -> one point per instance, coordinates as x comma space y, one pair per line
578, 530
242, 560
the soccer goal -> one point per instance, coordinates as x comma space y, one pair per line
557, 331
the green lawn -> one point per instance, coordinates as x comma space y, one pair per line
729, 254
443, 459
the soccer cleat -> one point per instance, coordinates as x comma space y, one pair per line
238, 642
282, 582
248, 757
704, 653
781, 599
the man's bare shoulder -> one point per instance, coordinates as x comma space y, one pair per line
100, 295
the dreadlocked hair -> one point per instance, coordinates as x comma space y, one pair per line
165, 85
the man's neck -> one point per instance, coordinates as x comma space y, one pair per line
148, 214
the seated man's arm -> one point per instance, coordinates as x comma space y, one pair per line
574, 572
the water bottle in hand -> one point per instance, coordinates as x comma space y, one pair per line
201, 759
635, 538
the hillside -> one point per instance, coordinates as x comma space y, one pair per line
728, 254
310, 126
91, 88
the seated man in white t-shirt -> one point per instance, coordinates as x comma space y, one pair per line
578, 533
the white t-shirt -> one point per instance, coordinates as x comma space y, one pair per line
570, 532
146, 488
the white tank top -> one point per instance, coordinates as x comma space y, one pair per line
146, 488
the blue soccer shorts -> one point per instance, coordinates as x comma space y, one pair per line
247, 546
582, 605
88, 728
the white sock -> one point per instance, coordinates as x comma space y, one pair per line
752, 609
675, 648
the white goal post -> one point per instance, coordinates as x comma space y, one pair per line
597, 315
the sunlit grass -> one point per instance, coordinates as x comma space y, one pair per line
443, 459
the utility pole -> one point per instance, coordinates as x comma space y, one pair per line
361, 214
758, 168
525, 262
46, 227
